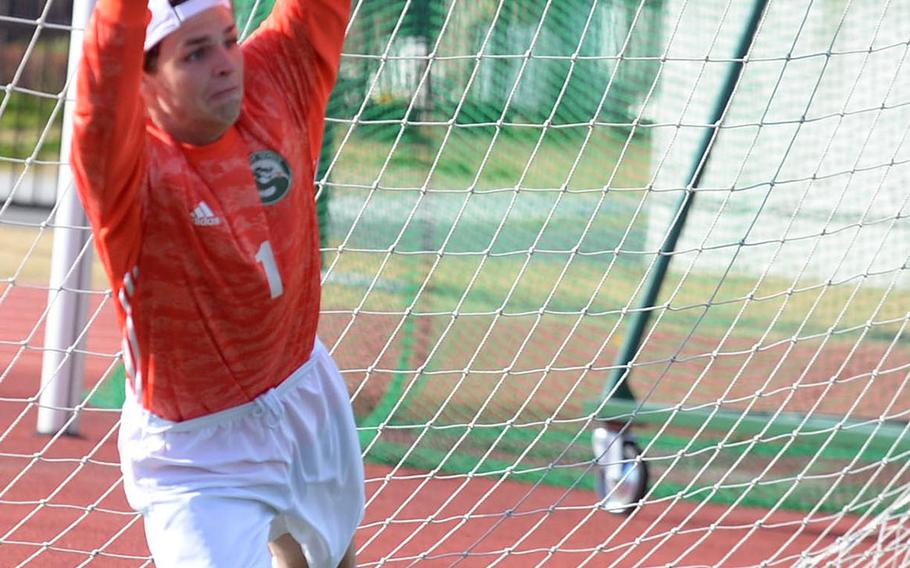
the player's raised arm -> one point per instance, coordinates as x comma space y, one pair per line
110, 116
109, 121
300, 46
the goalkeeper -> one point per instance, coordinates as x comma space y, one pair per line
194, 158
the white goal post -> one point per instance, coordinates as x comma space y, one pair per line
62, 373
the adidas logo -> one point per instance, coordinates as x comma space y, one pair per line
204, 216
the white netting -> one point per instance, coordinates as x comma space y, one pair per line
497, 179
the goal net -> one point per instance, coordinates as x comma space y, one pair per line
508, 192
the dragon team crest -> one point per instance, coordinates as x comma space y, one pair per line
272, 174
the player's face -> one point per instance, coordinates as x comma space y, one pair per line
196, 90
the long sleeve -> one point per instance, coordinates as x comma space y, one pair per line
298, 49
108, 156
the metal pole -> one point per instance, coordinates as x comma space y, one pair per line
619, 378
62, 370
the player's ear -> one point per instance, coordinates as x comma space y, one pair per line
148, 88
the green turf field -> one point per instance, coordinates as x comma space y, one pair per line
487, 320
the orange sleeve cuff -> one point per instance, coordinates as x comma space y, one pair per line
126, 12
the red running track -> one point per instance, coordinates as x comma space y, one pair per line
60, 497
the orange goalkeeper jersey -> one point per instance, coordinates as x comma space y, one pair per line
212, 252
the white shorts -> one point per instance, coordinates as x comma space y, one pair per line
213, 491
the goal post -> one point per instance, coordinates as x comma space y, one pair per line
607, 439
62, 368
618, 383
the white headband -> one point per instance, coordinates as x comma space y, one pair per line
166, 19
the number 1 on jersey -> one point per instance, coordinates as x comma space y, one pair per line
267, 258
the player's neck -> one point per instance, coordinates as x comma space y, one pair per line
195, 134
199, 138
